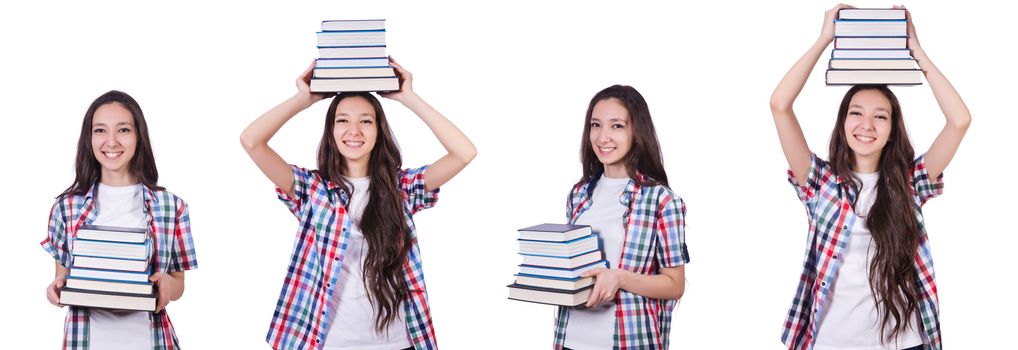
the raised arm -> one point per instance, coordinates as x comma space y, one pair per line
957, 114
793, 143
460, 151
255, 137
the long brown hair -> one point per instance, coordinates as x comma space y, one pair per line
891, 219
645, 154
87, 170
382, 222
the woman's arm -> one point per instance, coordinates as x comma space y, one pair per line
793, 143
171, 287
460, 151
670, 283
957, 114
255, 138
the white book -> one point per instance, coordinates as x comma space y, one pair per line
113, 233
352, 62
871, 54
872, 64
110, 275
107, 300
109, 286
355, 24
870, 28
887, 77
568, 248
562, 262
561, 273
355, 72
110, 249
870, 43
354, 84
549, 296
95, 262
871, 14
353, 38
351, 51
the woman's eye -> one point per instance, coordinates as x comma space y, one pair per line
881, 117
618, 126
854, 113
341, 121
595, 125
367, 121
124, 130
98, 131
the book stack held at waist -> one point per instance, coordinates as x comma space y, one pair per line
554, 258
110, 269
351, 58
870, 47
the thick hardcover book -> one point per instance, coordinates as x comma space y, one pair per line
549, 296
884, 76
354, 72
565, 262
94, 262
108, 249
107, 300
871, 54
560, 272
109, 286
352, 38
554, 282
375, 62
870, 43
353, 24
871, 14
554, 232
354, 84
872, 64
110, 275
567, 248
339, 51
112, 233
881, 28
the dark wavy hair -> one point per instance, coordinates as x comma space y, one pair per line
382, 222
891, 220
87, 170
645, 154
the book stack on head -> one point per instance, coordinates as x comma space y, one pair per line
351, 57
110, 269
870, 47
554, 258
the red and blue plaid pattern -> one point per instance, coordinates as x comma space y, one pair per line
302, 315
173, 251
828, 200
655, 238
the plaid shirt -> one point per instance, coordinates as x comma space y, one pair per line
302, 314
828, 202
654, 238
169, 225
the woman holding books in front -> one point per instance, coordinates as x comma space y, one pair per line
624, 196
115, 184
867, 281
355, 279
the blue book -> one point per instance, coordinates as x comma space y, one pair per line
535, 270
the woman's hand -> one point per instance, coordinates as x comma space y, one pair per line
607, 283
304, 88
913, 38
53, 290
171, 287
406, 84
827, 32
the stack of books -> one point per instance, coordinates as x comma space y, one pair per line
351, 57
554, 257
870, 47
110, 270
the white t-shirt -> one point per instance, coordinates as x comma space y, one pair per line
594, 328
121, 206
353, 321
851, 321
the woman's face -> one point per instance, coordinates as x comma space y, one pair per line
114, 138
868, 123
355, 130
611, 135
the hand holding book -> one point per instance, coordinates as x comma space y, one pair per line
53, 290
406, 89
170, 287
913, 39
827, 32
304, 93
607, 283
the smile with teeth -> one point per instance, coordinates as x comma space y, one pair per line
112, 155
605, 149
865, 138
353, 143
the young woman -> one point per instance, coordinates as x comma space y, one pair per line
867, 282
624, 196
355, 279
115, 184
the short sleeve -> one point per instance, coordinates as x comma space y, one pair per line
56, 242
417, 196
671, 231
819, 171
302, 179
925, 188
182, 255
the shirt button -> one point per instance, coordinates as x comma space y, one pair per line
344, 229
328, 285
835, 257
823, 284
844, 227
335, 259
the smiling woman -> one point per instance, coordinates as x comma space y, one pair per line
115, 185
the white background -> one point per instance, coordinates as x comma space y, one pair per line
516, 78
